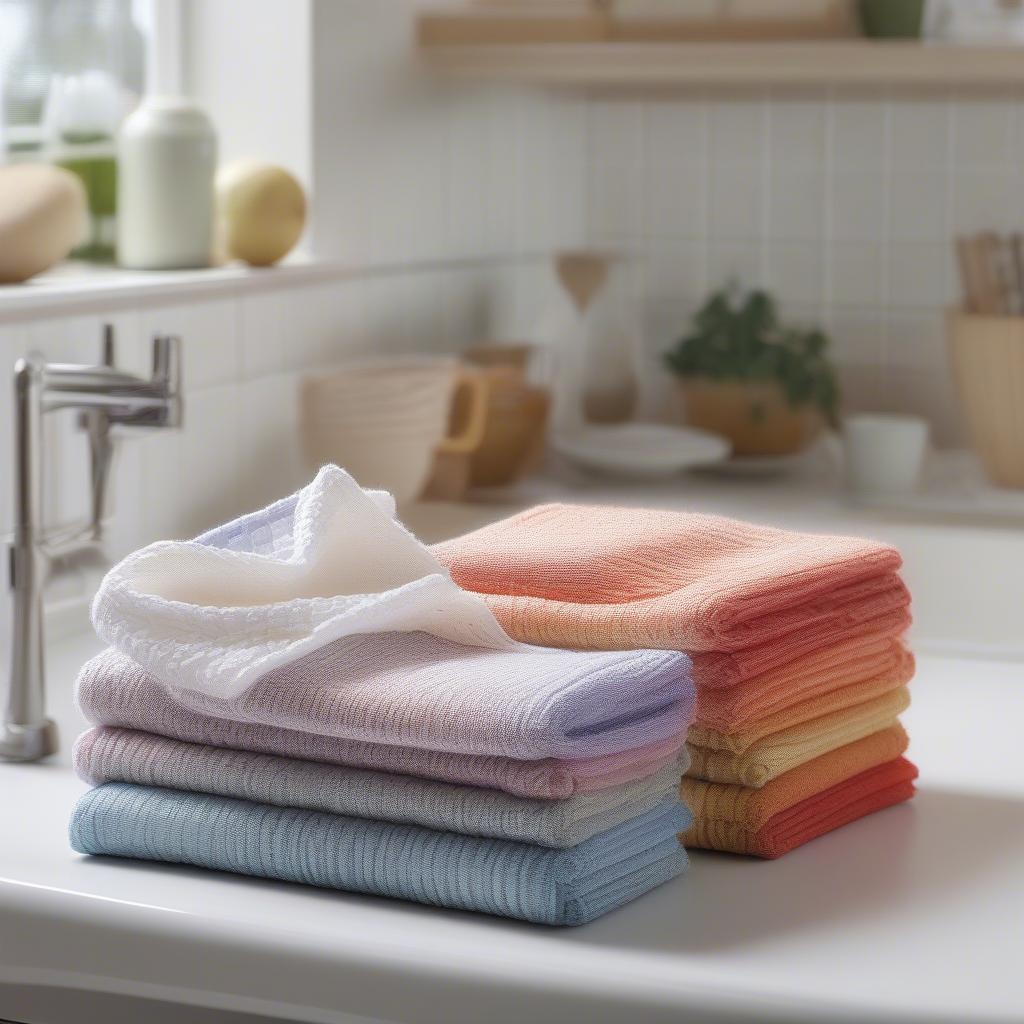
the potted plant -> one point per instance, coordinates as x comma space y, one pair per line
769, 389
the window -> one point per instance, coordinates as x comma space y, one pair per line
70, 70
69, 65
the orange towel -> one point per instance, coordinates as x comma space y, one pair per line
623, 578
840, 677
753, 821
783, 751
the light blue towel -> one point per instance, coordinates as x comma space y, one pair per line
560, 887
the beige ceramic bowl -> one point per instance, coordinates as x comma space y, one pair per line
755, 416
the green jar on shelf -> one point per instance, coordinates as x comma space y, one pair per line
892, 19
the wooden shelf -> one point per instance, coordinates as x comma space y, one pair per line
852, 62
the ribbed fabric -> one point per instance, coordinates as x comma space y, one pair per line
415, 690
557, 887
873, 790
891, 668
884, 615
728, 817
820, 674
114, 691
780, 752
120, 755
611, 578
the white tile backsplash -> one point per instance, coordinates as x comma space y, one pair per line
209, 333
845, 204
796, 202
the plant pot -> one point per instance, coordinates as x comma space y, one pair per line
891, 19
755, 416
988, 364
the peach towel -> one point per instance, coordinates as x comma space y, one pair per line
783, 751
623, 578
889, 616
873, 672
739, 818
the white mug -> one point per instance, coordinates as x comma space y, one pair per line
884, 452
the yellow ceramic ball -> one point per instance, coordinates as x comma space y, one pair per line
261, 209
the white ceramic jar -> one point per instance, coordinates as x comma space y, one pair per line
167, 156
885, 453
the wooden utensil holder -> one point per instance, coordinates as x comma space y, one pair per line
987, 354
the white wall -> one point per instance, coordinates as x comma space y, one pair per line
844, 205
248, 61
409, 169
437, 200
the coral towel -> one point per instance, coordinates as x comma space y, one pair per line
616, 578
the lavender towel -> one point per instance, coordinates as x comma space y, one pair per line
120, 755
417, 690
493, 876
116, 692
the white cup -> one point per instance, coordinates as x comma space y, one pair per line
884, 452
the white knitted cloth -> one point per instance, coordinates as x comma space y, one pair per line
215, 614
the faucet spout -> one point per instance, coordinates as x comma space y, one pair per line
27, 734
106, 396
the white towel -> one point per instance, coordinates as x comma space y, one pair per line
214, 614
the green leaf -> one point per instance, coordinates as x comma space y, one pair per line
737, 337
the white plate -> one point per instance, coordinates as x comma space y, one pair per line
644, 450
758, 465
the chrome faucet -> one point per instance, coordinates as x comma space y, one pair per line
106, 397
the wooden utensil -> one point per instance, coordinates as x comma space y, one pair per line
582, 275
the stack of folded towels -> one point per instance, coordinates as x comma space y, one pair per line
304, 694
796, 642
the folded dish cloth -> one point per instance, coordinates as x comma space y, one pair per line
615, 578
120, 755
886, 615
803, 803
838, 676
771, 756
322, 614
494, 876
114, 691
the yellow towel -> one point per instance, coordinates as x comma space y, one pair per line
732, 817
780, 752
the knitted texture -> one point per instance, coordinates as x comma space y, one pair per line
417, 690
611, 578
728, 817
493, 876
780, 752
120, 755
879, 609
113, 691
214, 614
870, 791
870, 663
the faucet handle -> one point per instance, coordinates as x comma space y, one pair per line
167, 361
167, 373
107, 352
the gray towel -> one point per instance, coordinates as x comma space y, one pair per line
123, 755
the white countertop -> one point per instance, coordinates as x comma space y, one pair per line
914, 914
